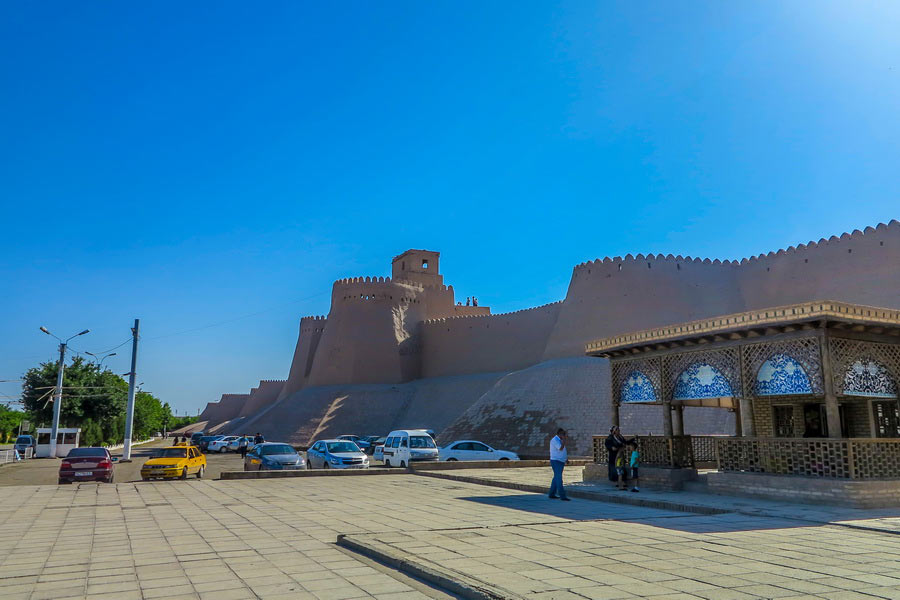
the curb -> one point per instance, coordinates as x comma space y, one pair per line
575, 493
456, 583
309, 473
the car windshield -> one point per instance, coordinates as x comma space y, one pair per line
23, 439
421, 441
342, 447
172, 453
86, 452
277, 449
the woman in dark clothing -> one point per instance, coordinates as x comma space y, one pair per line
614, 441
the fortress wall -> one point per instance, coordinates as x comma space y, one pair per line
617, 295
227, 408
311, 330
503, 342
862, 267
262, 396
372, 333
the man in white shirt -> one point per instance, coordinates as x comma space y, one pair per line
558, 457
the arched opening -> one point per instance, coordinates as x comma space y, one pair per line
701, 381
869, 378
782, 375
637, 389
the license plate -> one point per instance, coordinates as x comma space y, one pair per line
83, 473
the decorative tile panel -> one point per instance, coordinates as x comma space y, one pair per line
869, 378
677, 368
649, 368
637, 388
861, 368
802, 350
782, 375
701, 380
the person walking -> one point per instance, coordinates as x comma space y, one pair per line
242, 445
558, 457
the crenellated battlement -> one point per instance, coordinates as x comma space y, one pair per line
854, 236
489, 316
314, 318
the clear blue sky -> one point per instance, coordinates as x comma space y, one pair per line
190, 164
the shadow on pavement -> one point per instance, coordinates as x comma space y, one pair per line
589, 510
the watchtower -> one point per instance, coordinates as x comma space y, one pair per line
419, 266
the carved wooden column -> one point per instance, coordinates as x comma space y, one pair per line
744, 419
614, 406
667, 419
679, 419
832, 412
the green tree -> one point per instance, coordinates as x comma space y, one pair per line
88, 393
94, 400
9, 422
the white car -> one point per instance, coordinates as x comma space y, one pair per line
221, 445
473, 450
378, 453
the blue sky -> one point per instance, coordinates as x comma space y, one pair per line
192, 164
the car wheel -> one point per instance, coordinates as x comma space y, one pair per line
325, 465
387, 463
451, 460
201, 471
222, 450
184, 473
504, 458
402, 464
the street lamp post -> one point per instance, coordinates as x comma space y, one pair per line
99, 359
57, 401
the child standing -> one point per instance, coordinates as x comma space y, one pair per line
621, 462
634, 462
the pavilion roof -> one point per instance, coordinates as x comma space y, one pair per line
752, 323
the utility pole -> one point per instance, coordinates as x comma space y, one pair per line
57, 401
132, 381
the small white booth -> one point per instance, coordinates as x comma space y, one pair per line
66, 439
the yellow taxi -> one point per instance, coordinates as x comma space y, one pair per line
176, 461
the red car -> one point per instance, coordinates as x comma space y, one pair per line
87, 464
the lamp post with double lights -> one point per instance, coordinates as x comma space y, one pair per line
100, 359
57, 401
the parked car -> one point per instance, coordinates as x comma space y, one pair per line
360, 441
222, 444
23, 443
235, 444
408, 445
87, 464
378, 452
195, 438
473, 450
177, 461
336, 454
203, 444
374, 441
270, 456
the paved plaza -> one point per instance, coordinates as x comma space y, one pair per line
275, 538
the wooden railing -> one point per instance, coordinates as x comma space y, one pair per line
655, 450
855, 458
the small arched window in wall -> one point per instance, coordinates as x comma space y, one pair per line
699, 381
869, 378
637, 389
782, 375
424, 263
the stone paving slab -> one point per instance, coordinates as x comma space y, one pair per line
275, 539
713, 557
535, 479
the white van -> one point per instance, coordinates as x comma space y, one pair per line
408, 445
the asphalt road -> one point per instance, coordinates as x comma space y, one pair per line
44, 471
